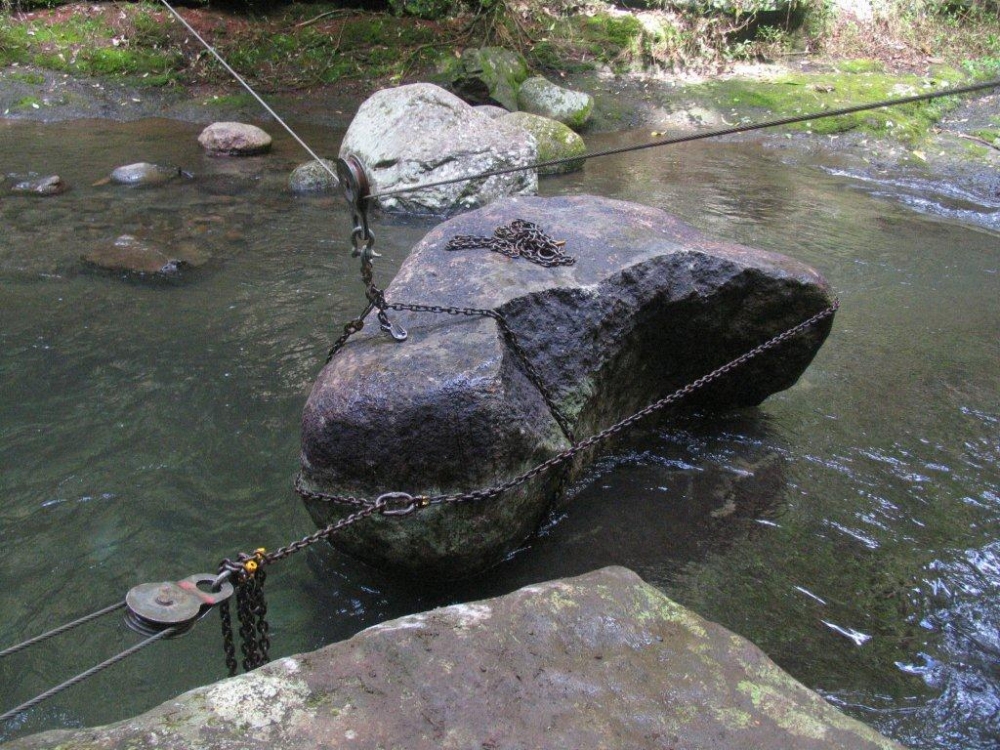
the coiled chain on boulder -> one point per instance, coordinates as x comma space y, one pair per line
519, 239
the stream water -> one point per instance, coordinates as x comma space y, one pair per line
849, 526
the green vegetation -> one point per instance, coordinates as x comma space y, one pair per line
298, 45
801, 94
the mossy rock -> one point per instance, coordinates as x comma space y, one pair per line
313, 177
555, 141
489, 75
542, 97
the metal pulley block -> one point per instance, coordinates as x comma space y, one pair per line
154, 607
355, 186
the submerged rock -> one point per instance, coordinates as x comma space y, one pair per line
555, 141
420, 133
234, 139
36, 185
313, 177
130, 254
542, 97
649, 305
598, 661
144, 173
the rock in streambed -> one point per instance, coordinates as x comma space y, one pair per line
417, 134
36, 185
650, 305
601, 660
144, 173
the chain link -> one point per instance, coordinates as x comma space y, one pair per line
519, 239
599, 437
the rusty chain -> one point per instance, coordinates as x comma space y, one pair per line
519, 239
569, 454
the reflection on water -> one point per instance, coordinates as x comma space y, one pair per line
848, 526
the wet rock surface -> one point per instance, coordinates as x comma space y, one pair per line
650, 305
35, 185
416, 134
489, 75
144, 173
601, 660
314, 177
542, 97
555, 141
234, 139
134, 255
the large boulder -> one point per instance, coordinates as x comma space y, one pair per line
489, 75
598, 661
650, 305
416, 134
555, 141
542, 97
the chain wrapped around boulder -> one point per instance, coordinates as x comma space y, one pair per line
519, 239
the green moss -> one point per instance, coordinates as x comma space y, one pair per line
801, 95
111, 61
992, 135
32, 79
27, 102
861, 66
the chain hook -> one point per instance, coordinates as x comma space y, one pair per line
354, 184
356, 188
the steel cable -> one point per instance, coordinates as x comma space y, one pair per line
735, 129
61, 629
88, 673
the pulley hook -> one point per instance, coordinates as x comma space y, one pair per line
153, 607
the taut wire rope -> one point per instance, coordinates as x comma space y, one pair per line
718, 133
88, 673
61, 629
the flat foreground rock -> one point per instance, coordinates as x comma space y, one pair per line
650, 305
599, 661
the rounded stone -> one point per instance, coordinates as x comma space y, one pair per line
42, 186
555, 141
234, 139
542, 97
143, 173
313, 177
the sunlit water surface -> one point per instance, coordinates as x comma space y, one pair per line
848, 526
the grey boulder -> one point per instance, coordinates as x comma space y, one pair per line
234, 139
650, 305
598, 661
542, 97
417, 134
490, 75
144, 173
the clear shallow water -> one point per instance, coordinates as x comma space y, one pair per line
848, 526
